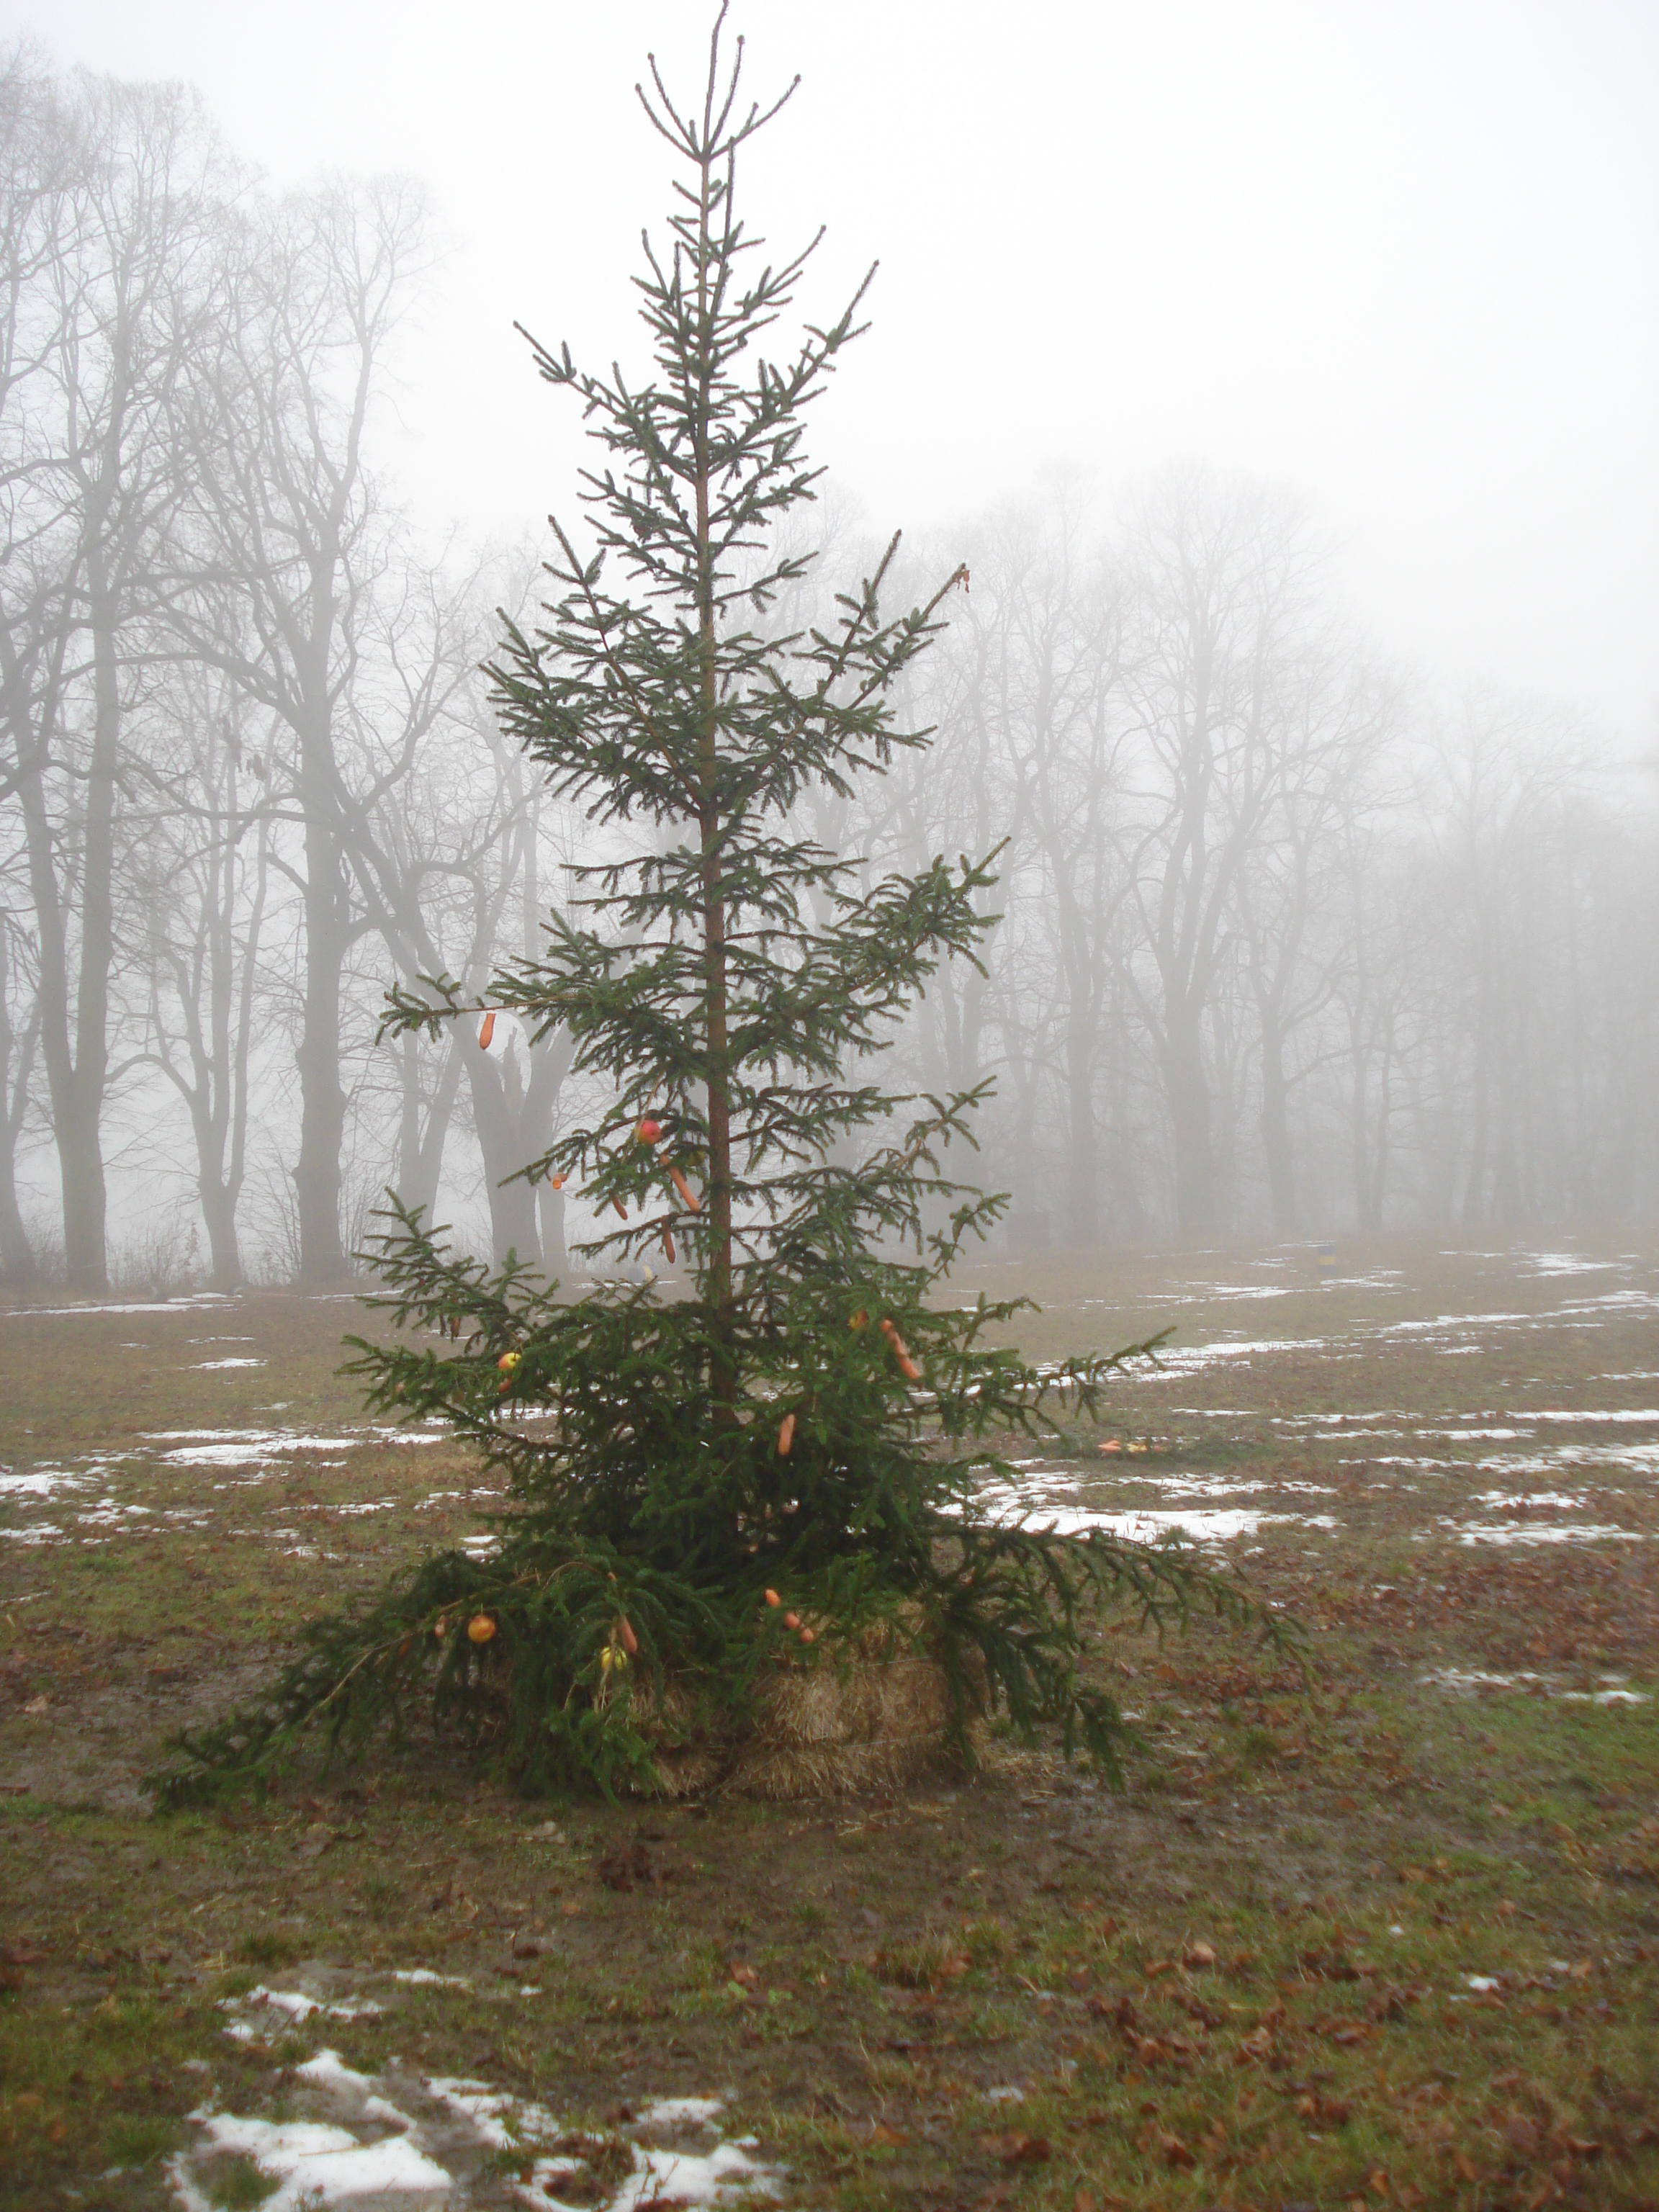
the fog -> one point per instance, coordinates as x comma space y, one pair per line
1285, 375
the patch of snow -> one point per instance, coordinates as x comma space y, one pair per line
41, 1482
315, 2162
1515, 1502
298, 2007
210, 1366
123, 1306
1594, 1414
1560, 1532
680, 2113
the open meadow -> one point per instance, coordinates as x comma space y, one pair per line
1383, 1934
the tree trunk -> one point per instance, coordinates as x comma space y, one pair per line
322, 1097
496, 1115
1190, 1115
219, 1212
1276, 1133
421, 1149
1083, 1149
17, 1267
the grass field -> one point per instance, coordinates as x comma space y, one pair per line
1386, 1936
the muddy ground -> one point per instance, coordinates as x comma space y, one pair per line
1388, 1935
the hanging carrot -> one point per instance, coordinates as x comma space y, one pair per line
688, 1197
785, 1435
772, 1598
622, 1634
487, 1030
668, 1246
907, 1366
555, 1182
620, 1207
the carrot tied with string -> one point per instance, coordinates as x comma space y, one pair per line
688, 1197
907, 1366
487, 1030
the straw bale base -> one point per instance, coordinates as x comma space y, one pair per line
835, 1729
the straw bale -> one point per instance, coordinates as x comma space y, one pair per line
872, 1717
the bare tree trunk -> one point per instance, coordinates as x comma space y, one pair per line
1276, 1133
1188, 1091
322, 1096
17, 1265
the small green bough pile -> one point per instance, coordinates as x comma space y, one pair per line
802, 1415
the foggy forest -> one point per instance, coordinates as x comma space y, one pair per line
1294, 937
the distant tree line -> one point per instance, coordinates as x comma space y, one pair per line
1286, 943
1290, 943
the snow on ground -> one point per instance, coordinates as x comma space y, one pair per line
418, 2142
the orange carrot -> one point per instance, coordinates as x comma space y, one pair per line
668, 1246
624, 1632
907, 1366
688, 1197
620, 1207
555, 1182
785, 1435
772, 1598
807, 1636
487, 1031
792, 1621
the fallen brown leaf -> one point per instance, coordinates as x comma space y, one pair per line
1019, 2150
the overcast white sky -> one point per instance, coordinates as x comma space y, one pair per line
1404, 257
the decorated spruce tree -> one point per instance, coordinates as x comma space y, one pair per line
765, 1455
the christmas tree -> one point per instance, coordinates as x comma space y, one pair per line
774, 1459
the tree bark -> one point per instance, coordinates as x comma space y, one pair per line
1276, 1133
1188, 1091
